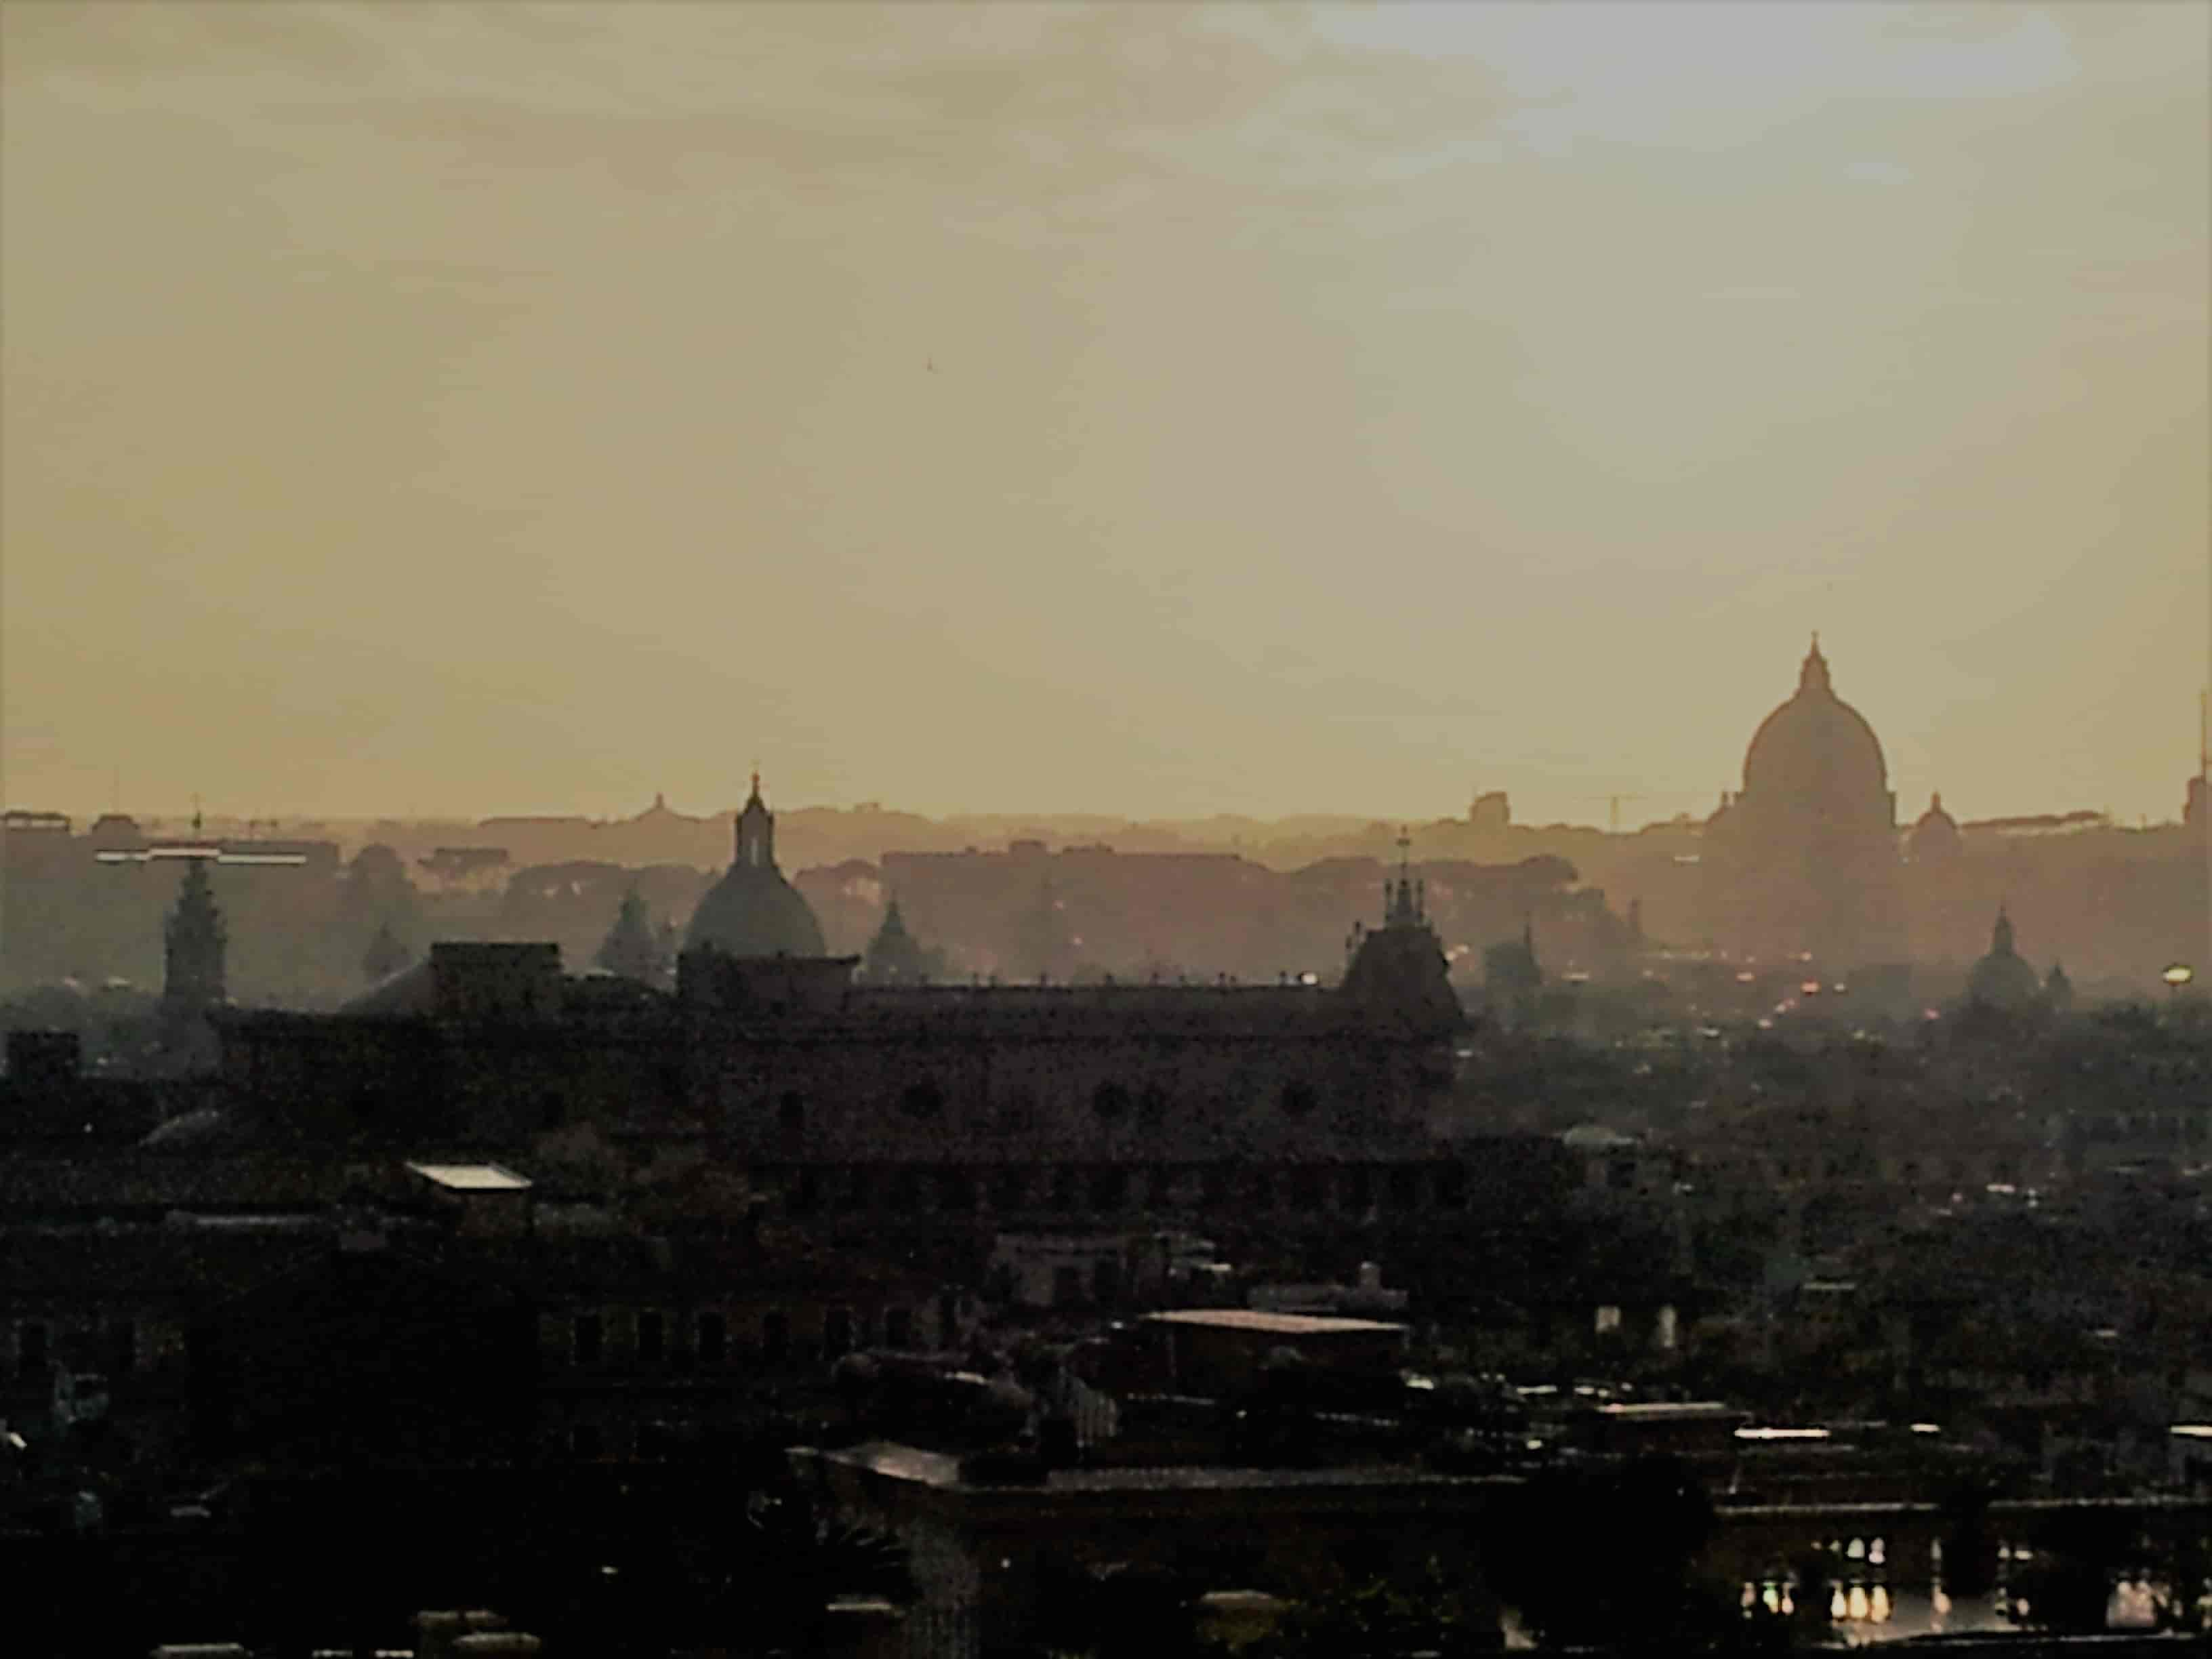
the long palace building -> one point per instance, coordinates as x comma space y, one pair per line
990, 1101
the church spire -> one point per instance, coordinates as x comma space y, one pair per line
193, 979
1403, 905
2001, 943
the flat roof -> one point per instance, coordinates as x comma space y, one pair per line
1275, 1324
472, 1177
1693, 1411
942, 1469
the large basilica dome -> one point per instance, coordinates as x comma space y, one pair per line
753, 911
1802, 863
1816, 751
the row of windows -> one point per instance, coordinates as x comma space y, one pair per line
1114, 1187
650, 1339
842, 1330
924, 1100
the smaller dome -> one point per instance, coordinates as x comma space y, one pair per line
1934, 835
2003, 979
895, 955
2058, 988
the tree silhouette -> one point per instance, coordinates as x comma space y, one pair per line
1605, 1559
2067, 1584
1376, 1619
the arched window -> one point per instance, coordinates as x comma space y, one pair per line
922, 1100
1152, 1106
1298, 1099
1110, 1102
791, 1111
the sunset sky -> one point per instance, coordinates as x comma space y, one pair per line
1128, 408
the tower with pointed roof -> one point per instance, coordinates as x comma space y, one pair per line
1399, 969
196, 945
195, 948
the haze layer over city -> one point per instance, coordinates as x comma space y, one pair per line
1049, 831
1135, 411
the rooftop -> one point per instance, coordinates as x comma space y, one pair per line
942, 1469
472, 1177
1276, 1324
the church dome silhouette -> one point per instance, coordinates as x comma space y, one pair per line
2002, 978
753, 911
1934, 835
1817, 750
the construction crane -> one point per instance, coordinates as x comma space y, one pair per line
1612, 802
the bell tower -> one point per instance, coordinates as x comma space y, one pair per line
194, 943
756, 831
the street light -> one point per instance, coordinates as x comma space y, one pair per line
2176, 976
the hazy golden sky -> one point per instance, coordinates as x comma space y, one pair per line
1131, 409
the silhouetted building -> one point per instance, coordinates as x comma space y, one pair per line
630, 949
2059, 989
2003, 980
958, 1103
753, 911
192, 984
1398, 971
894, 956
1934, 837
1512, 976
1802, 862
